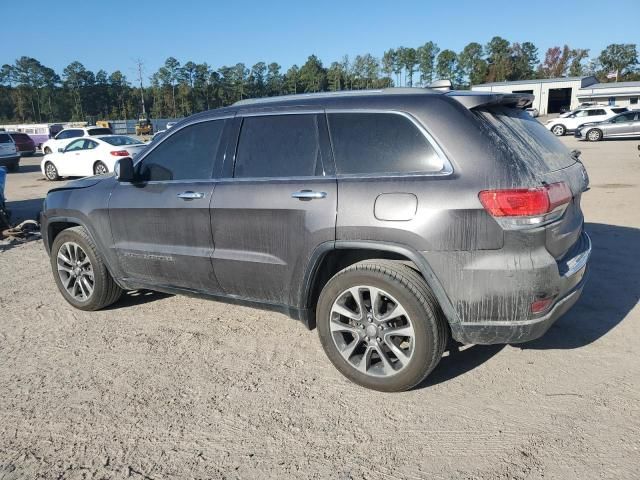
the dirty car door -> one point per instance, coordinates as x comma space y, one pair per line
160, 223
275, 208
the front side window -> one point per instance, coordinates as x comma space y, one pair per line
378, 143
69, 134
279, 146
187, 154
74, 146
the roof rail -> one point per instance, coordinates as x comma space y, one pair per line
341, 93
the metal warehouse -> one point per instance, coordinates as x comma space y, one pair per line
623, 94
551, 94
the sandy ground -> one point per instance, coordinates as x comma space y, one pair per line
173, 387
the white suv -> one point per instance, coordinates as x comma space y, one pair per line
570, 121
64, 137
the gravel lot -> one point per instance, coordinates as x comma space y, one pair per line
164, 386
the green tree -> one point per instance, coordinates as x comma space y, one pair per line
472, 65
427, 55
524, 60
579, 55
447, 66
313, 76
498, 59
619, 57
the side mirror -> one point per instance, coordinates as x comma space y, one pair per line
60, 150
124, 170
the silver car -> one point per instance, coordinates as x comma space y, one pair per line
623, 125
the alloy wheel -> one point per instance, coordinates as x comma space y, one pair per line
100, 169
372, 331
51, 171
75, 271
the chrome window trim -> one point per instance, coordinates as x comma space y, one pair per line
447, 167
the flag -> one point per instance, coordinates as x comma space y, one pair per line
613, 74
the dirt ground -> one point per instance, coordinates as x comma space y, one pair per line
173, 387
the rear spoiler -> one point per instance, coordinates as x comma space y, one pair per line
473, 99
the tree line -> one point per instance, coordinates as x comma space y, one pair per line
33, 92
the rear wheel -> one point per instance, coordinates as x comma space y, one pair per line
100, 169
51, 172
594, 135
381, 326
80, 272
14, 167
558, 130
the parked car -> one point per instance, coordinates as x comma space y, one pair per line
24, 143
623, 125
65, 136
9, 155
89, 156
533, 112
570, 121
361, 213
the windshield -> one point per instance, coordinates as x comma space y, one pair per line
527, 138
120, 140
99, 131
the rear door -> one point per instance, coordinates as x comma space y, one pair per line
621, 125
161, 224
7, 146
273, 206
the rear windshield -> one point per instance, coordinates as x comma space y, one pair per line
99, 131
119, 140
526, 138
4, 138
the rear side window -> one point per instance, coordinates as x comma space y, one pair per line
593, 113
622, 109
525, 138
625, 117
380, 143
4, 138
279, 146
188, 154
99, 131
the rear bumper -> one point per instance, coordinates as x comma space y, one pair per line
7, 161
492, 292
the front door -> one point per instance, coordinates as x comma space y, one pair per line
275, 207
621, 125
161, 224
73, 161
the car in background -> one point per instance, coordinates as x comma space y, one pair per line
533, 112
623, 125
85, 156
63, 138
9, 155
24, 143
570, 121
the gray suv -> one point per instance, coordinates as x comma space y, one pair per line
393, 220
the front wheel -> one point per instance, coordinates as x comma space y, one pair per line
51, 172
594, 135
80, 272
558, 130
381, 326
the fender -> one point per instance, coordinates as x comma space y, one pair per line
420, 262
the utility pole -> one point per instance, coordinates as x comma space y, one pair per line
140, 64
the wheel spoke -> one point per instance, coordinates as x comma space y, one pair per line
398, 311
387, 368
365, 362
376, 299
404, 331
337, 326
345, 312
357, 296
400, 354
347, 351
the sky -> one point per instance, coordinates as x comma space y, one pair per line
112, 34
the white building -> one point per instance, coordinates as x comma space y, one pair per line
622, 94
551, 94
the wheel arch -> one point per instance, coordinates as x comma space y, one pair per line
329, 258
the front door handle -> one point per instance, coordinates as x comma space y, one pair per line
190, 195
308, 195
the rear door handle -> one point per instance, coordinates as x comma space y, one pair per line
190, 195
308, 195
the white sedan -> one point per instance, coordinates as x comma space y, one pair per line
89, 156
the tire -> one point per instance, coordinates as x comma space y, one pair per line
47, 150
398, 285
51, 172
594, 135
14, 167
558, 130
104, 291
100, 168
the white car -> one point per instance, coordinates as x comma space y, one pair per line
64, 137
84, 157
571, 121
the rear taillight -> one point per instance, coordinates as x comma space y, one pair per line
120, 153
527, 207
541, 305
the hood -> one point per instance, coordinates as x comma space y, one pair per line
83, 182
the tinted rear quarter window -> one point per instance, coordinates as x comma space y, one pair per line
99, 131
380, 143
279, 146
526, 138
187, 154
622, 109
593, 113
